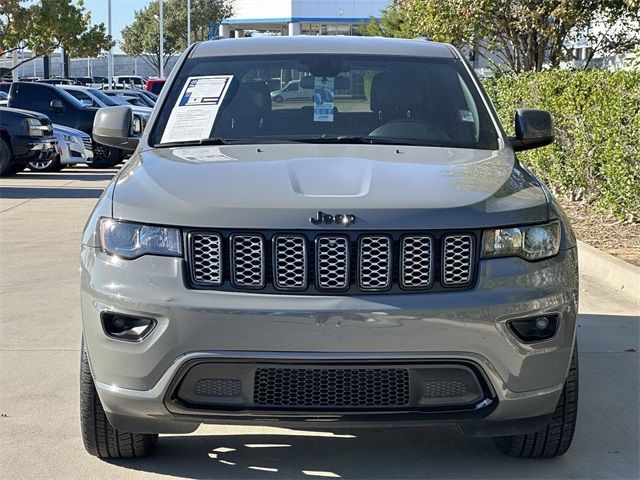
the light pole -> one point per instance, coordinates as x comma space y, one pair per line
161, 38
110, 57
188, 22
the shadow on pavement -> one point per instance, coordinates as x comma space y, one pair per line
49, 192
436, 452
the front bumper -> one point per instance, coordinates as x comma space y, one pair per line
73, 153
135, 381
32, 149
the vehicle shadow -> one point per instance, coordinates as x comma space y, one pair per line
48, 192
435, 452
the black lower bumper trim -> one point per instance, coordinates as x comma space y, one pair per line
231, 391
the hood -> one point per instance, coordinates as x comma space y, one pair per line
25, 113
64, 130
144, 111
282, 186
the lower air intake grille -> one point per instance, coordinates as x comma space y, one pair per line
443, 389
331, 387
217, 387
87, 143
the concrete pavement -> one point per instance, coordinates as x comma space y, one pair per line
41, 217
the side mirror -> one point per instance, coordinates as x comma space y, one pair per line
113, 126
57, 106
534, 128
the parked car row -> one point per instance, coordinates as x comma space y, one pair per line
70, 110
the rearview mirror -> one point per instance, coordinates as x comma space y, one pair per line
56, 105
534, 128
339, 83
113, 126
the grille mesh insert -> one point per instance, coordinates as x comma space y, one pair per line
368, 262
332, 256
331, 387
443, 389
290, 262
416, 262
206, 265
217, 387
457, 254
247, 268
375, 263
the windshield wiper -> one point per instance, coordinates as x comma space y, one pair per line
346, 139
194, 143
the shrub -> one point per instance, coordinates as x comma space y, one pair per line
596, 113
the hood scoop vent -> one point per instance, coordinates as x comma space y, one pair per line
330, 177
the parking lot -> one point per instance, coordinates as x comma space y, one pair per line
41, 218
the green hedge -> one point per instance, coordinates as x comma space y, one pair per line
596, 154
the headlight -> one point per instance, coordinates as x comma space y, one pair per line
531, 243
71, 139
132, 240
35, 127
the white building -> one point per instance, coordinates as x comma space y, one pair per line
300, 17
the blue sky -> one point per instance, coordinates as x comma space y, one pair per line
122, 12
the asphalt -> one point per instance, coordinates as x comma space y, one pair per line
41, 217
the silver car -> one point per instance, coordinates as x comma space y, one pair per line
377, 258
73, 147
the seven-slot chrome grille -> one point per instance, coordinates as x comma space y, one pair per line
325, 263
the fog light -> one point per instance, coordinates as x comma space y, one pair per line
126, 327
534, 329
541, 323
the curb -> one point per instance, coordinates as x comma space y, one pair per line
616, 273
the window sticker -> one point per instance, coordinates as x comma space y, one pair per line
323, 99
466, 116
196, 109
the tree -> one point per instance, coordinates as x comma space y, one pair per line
46, 25
142, 37
524, 34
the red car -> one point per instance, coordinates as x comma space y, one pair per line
154, 85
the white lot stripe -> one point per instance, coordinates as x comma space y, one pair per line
313, 473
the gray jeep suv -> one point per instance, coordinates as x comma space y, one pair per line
373, 255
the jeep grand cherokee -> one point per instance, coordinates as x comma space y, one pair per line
374, 254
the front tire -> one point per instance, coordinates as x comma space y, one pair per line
7, 165
98, 435
51, 165
105, 157
555, 439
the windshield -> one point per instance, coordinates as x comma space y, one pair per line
333, 98
106, 99
115, 98
71, 99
